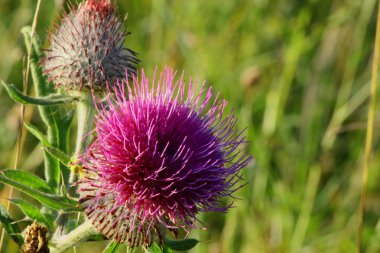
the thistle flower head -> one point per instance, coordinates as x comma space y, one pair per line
87, 48
167, 153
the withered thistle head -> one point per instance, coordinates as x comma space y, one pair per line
159, 158
87, 49
35, 240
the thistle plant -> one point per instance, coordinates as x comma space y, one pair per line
154, 153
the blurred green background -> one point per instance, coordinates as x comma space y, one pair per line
297, 75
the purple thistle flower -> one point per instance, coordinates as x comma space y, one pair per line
87, 48
158, 158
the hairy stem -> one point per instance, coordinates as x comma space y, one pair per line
78, 235
85, 115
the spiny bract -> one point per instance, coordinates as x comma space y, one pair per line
87, 48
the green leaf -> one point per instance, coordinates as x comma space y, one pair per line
67, 119
50, 214
53, 201
154, 248
35, 43
112, 247
181, 245
166, 249
10, 226
32, 212
61, 156
74, 208
51, 115
20, 97
37, 133
57, 153
27, 179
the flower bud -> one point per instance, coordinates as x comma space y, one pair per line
87, 48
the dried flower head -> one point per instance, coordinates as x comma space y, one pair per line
87, 48
35, 240
159, 158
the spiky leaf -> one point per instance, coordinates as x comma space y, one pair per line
33, 189
20, 97
27, 179
32, 212
37, 133
61, 156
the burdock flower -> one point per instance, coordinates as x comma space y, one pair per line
158, 158
87, 48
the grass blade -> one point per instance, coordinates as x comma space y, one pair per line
369, 132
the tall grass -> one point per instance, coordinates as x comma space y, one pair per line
369, 133
298, 75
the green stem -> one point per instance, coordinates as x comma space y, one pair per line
85, 115
78, 235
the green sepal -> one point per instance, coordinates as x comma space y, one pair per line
34, 190
33, 212
10, 226
20, 97
181, 245
112, 247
